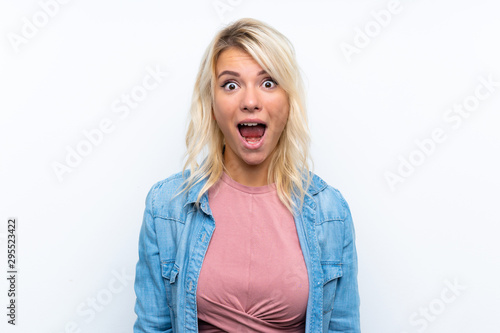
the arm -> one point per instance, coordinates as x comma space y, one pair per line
345, 313
153, 314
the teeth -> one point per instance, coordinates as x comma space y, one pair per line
252, 140
249, 124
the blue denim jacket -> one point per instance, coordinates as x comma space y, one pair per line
175, 235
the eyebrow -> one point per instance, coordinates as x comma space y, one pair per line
237, 74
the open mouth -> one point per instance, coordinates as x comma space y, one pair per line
252, 132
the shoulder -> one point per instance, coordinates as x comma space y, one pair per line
167, 187
164, 198
329, 200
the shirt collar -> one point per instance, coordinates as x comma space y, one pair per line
317, 185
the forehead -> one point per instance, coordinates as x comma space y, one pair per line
236, 59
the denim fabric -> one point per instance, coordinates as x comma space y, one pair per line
175, 235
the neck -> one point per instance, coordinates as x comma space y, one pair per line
248, 175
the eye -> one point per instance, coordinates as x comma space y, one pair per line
229, 86
270, 83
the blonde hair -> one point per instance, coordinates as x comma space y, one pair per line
289, 167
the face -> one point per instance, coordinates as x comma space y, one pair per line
250, 108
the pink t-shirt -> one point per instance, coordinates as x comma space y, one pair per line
253, 277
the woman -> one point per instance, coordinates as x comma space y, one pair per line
249, 240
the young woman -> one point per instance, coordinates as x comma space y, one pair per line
249, 239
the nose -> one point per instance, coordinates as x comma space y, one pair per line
250, 100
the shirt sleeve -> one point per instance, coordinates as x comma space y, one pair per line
345, 313
153, 313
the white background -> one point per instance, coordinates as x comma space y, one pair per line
436, 228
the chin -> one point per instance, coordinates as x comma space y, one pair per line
253, 160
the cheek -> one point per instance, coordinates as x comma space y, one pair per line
282, 117
216, 107
220, 109
217, 112
281, 105
222, 120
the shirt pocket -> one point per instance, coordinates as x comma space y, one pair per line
331, 274
169, 271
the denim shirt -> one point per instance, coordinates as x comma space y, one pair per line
174, 238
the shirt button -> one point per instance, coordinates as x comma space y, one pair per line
190, 285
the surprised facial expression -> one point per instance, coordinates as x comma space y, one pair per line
250, 108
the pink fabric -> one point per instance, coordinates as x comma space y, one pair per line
253, 277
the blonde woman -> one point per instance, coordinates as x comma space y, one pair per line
248, 239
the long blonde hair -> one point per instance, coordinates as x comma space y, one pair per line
289, 167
